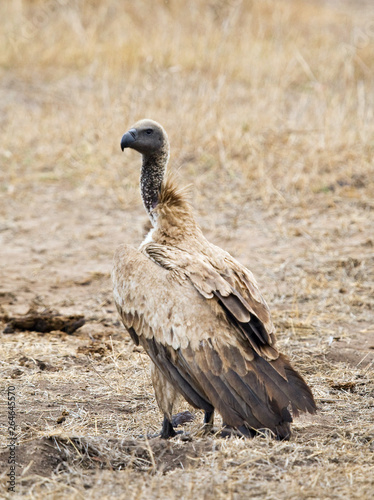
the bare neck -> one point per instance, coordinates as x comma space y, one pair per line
152, 174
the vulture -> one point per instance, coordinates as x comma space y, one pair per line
199, 314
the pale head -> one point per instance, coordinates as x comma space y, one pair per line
147, 137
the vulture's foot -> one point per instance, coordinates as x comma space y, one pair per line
241, 431
182, 418
227, 431
167, 430
208, 422
178, 419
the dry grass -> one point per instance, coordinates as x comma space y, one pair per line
273, 103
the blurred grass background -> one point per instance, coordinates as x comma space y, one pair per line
276, 96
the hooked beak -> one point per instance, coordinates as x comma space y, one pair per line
129, 138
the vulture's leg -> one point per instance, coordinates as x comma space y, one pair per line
164, 392
208, 421
165, 397
167, 429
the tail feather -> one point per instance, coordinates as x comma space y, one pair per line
260, 410
301, 393
293, 390
262, 397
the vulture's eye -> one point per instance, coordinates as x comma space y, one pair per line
149, 131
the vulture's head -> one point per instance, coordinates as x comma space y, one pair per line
147, 137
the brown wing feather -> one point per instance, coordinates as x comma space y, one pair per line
199, 349
216, 273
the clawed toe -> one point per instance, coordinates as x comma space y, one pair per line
178, 419
242, 431
182, 418
168, 427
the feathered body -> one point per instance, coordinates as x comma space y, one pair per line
199, 314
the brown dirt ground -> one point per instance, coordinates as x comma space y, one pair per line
296, 207
94, 384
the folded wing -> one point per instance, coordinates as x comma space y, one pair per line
206, 327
